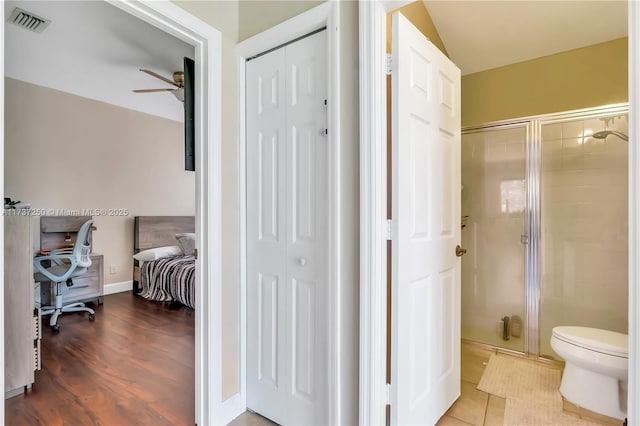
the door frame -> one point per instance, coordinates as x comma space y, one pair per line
633, 400
373, 203
374, 392
2, 24
207, 43
324, 15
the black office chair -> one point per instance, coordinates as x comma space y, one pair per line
66, 264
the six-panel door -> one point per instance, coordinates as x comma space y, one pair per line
287, 211
425, 308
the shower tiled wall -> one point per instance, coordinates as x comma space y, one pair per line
584, 227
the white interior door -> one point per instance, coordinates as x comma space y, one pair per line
287, 197
266, 229
425, 310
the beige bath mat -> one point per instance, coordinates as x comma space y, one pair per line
515, 378
525, 413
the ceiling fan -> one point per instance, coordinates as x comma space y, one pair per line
178, 82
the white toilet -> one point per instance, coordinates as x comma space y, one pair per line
596, 366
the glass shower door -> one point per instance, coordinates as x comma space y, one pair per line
494, 206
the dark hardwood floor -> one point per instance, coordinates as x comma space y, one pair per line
133, 365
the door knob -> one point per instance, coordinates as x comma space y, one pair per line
460, 251
302, 261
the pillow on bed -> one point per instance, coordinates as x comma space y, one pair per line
157, 252
187, 242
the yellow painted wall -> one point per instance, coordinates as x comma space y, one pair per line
418, 15
580, 78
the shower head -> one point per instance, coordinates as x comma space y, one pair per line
605, 133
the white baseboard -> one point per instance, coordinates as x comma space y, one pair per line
118, 287
231, 408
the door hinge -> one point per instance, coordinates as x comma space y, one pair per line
389, 63
195, 253
389, 230
524, 239
387, 394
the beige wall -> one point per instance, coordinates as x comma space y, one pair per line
350, 210
259, 15
591, 76
67, 152
223, 15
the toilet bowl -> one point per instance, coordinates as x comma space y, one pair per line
596, 368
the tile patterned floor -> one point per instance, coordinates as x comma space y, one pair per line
474, 407
249, 418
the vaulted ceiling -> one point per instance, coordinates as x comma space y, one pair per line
480, 35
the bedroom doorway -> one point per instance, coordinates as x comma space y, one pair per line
287, 238
207, 45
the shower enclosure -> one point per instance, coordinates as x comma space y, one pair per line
544, 205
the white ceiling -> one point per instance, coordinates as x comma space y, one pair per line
95, 50
481, 35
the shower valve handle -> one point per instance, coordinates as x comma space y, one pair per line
460, 251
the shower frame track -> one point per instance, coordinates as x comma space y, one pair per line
533, 148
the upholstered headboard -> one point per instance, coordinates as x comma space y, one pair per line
157, 231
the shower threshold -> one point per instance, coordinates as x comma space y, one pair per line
499, 350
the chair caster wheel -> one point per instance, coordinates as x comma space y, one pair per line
92, 317
55, 328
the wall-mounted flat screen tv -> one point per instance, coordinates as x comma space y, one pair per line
189, 128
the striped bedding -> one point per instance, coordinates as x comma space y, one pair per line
168, 279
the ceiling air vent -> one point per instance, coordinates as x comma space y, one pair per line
28, 20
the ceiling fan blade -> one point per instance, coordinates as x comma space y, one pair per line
156, 75
152, 90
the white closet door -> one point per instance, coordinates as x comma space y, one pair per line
425, 327
266, 232
287, 321
307, 213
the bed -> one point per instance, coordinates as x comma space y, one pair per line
164, 266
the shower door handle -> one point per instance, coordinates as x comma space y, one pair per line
460, 251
